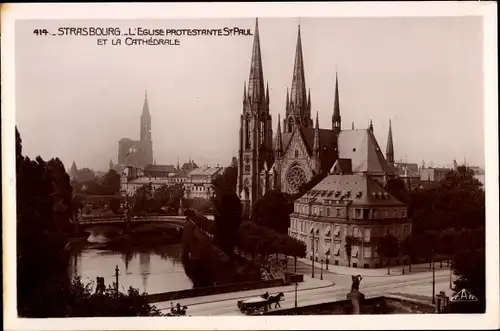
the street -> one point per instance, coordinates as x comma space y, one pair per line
333, 287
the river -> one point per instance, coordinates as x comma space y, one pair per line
151, 270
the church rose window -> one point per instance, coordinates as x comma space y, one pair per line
295, 177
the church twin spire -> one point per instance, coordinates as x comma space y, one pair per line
256, 92
298, 96
298, 101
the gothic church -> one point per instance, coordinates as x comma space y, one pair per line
138, 152
300, 150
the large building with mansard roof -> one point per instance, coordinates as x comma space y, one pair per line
300, 149
345, 204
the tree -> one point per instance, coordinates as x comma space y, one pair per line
227, 180
228, 212
43, 219
144, 201
409, 248
388, 247
349, 242
469, 265
85, 175
84, 302
111, 182
273, 210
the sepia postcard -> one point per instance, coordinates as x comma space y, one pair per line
250, 166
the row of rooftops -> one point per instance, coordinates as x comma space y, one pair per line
169, 171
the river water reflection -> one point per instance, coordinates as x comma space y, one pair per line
150, 270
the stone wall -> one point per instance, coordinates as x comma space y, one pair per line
211, 290
371, 306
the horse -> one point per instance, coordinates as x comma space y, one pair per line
275, 299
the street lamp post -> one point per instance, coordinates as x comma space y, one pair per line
433, 280
296, 285
116, 275
321, 277
449, 265
313, 252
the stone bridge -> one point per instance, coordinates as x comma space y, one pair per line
120, 224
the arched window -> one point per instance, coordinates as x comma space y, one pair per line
290, 124
262, 132
247, 132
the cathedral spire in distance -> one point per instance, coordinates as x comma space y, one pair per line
389, 153
256, 81
145, 120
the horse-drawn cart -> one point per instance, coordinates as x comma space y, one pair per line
262, 303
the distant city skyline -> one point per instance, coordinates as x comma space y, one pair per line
76, 100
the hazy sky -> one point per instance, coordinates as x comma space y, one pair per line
75, 99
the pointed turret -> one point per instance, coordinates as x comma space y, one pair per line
298, 95
234, 162
371, 127
279, 143
111, 165
336, 120
244, 91
352, 125
309, 101
267, 92
287, 98
256, 81
389, 153
316, 147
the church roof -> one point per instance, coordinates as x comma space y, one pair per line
362, 148
342, 166
357, 189
205, 171
160, 168
327, 139
188, 166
